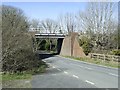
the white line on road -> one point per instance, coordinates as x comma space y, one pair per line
59, 69
88, 68
113, 74
88, 63
65, 72
89, 82
53, 66
75, 76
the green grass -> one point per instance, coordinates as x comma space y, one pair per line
8, 76
25, 74
39, 70
17, 80
96, 61
0, 77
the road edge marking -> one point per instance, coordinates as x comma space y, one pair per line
113, 74
89, 63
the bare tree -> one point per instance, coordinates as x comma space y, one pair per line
98, 20
50, 26
35, 25
67, 22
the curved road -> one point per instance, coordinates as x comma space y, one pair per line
69, 73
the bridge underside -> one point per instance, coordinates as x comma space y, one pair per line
59, 38
59, 45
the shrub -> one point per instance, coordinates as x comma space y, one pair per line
47, 46
42, 45
115, 52
87, 47
85, 43
17, 45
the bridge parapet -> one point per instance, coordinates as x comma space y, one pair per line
50, 35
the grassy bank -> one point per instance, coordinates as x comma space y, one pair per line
96, 61
20, 80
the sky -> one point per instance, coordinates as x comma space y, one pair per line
51, 10
43, 10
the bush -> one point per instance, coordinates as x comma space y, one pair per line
115, 52
87, 47
47, 46
17, 45
42, 45
85, 43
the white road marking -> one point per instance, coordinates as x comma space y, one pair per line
113, 74
89, 82
88, 68
53, 66
88, 63
75, 76
59, 69
65, 72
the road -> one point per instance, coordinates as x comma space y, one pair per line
69, 73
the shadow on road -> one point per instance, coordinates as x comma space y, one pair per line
44, 54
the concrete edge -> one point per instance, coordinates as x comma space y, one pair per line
90, 63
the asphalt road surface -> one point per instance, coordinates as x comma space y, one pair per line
69, 73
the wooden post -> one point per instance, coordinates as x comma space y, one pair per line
104, 57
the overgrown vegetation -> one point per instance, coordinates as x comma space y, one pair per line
115, 52
17, 46
100, 26
46, 44
85, 43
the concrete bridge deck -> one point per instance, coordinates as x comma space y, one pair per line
50, 35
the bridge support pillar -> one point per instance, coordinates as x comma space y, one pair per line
59, 45
70, 46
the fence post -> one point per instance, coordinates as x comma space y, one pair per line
112, 58
104, 58
97, 56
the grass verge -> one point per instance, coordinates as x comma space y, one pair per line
96, 61
21, 79
25, 74
7, 76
